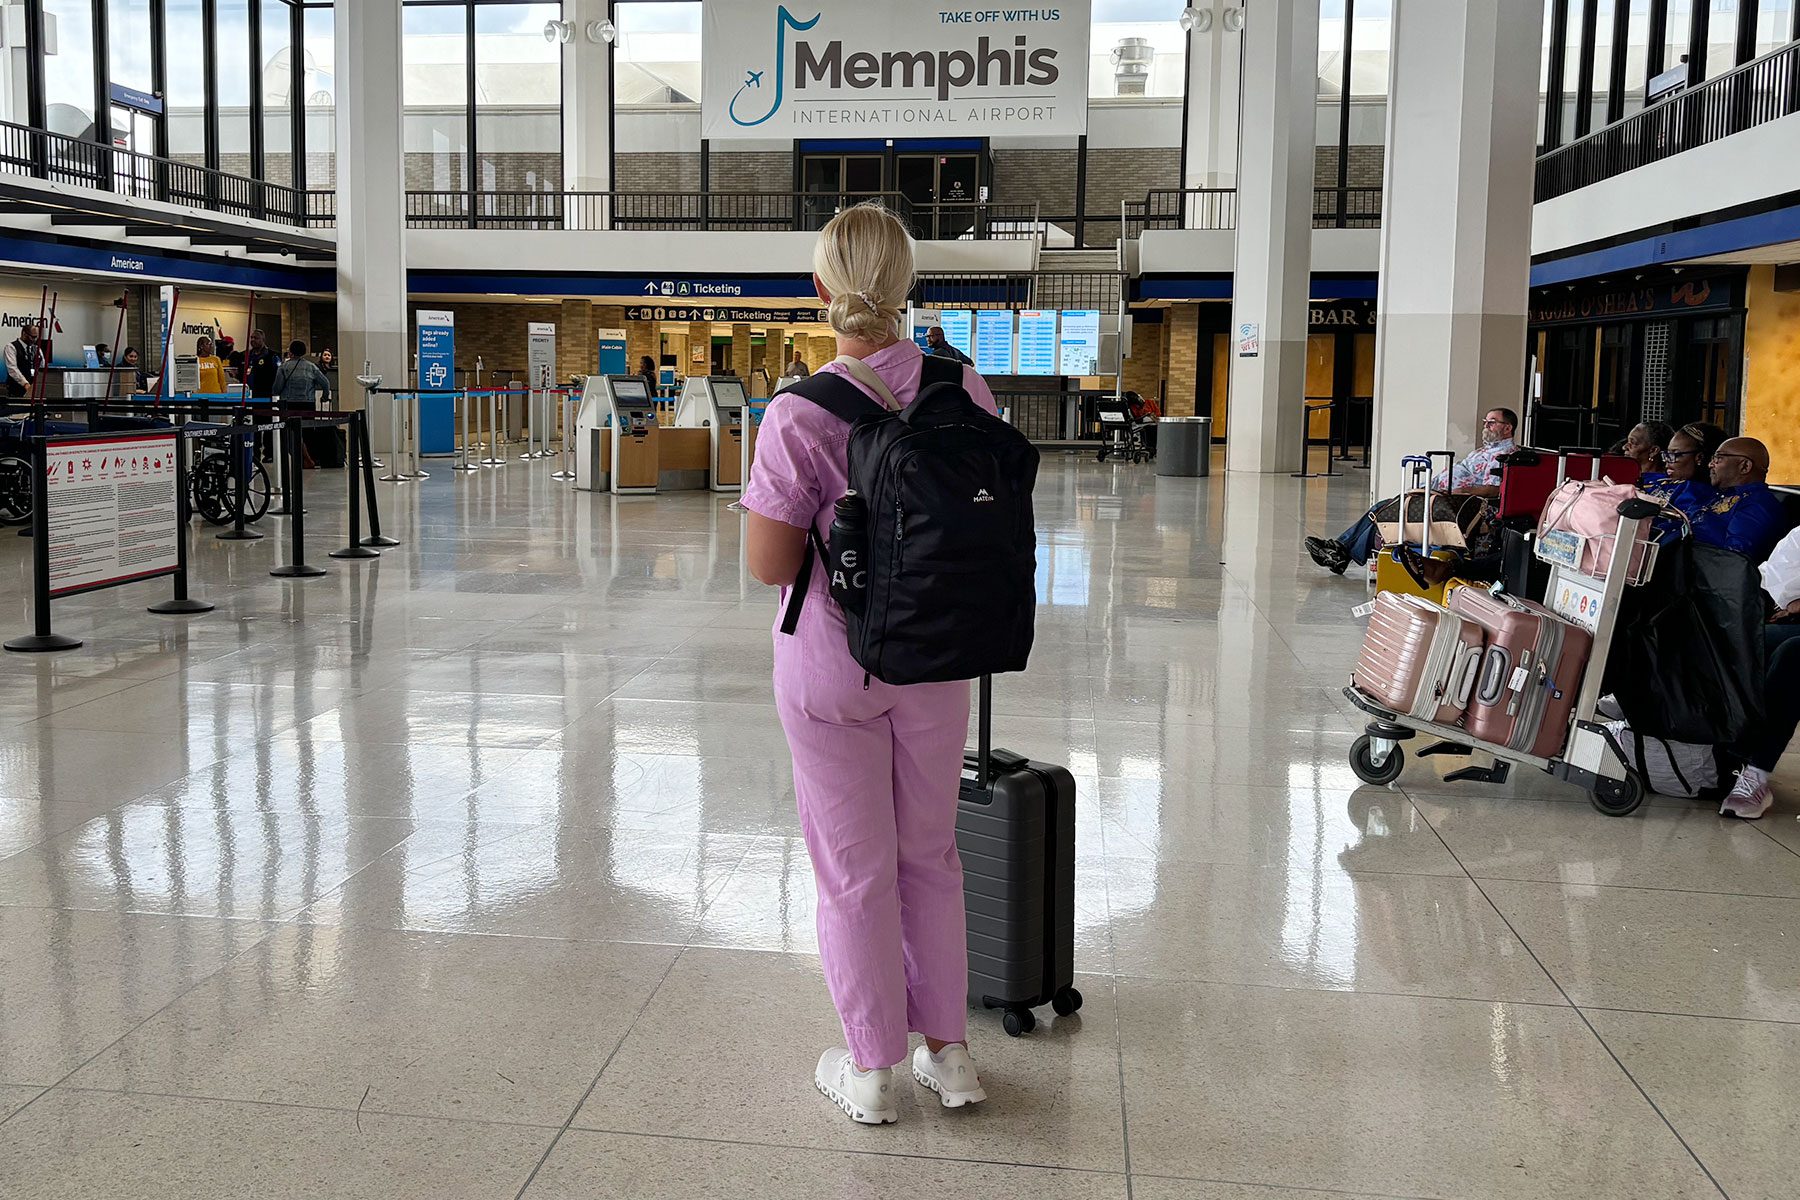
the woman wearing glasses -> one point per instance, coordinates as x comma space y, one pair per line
1684, 483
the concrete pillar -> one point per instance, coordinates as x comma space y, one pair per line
1274, 233
1184, 357
371, 195
576, 351
641, 338
699, 334
1456, 224
1212, 98
587, 103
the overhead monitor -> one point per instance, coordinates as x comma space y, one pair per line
959, 329
630, 387
993, 341
728, 392
1037, 342
1080, 342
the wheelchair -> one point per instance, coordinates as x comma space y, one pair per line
1121, 435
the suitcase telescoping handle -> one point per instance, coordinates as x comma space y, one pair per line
984, 732
1418, 472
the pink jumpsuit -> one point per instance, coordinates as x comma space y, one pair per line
876, 768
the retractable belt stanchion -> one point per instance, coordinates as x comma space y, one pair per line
42, 638
299, 568
370, 381
240, 444
566, 470
495, 415
360, 433
462, 400
181, 604
412, 447
533, 439
1306, 471
395, 433
357, 546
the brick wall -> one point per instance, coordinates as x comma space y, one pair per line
660, 171
1044, 176
749, 171
1143, 369
1184, 344
1366, 165
1114, 176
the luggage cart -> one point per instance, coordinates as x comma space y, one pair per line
1590, 758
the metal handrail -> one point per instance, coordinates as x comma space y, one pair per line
1762, 90
1357, 207
59, 158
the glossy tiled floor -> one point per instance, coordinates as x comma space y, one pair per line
473, 872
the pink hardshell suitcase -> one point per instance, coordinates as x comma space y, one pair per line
1419, 658
1530, 672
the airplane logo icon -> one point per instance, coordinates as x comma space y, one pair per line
753, 78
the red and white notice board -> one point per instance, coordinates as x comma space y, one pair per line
112, 510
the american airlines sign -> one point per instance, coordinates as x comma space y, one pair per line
897, 69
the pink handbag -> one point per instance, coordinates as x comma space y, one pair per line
1589, 508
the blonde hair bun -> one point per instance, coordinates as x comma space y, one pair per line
864, 257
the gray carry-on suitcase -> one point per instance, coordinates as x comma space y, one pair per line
1015, 833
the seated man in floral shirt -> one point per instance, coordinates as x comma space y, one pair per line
1473, 476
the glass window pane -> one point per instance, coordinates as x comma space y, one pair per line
1637, 54
1721, 37
1677, 30
277, 93
1603, 53
1774, 25
518, 98
232, 29
69, 73
1571, 80
1138, 49
657, 54
184, 97
128, 44
320, 91
436, 94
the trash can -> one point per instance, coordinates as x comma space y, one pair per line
1184, 446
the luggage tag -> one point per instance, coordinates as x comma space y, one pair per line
1363, 610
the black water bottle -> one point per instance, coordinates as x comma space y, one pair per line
847, 546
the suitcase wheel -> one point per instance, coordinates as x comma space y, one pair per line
1018, 1022
1368, 770
1066, 1001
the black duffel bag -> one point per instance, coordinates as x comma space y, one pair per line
1686, 662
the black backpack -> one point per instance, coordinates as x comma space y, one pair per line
951, 545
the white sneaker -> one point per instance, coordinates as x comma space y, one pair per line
950, 1074
865, 1096
1750, 797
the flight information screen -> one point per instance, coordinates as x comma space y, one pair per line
993, 341
1037, 342
1080, 342
959, 329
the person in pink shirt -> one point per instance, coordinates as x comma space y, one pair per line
877, 767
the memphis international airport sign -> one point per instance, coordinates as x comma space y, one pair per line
895, 69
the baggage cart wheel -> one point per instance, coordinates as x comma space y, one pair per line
1066, 1002
1362, 761
1018, 1022
1617, 797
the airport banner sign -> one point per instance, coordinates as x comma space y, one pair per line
904, 68
437, 351
540, 353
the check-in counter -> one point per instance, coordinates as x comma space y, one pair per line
717, 404
684, 457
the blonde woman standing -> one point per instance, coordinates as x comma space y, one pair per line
876, 766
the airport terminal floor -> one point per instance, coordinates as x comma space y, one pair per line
474, 872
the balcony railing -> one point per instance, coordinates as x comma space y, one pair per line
1760, 91
55, 157
755, 212
1216, 208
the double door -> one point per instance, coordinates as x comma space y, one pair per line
942, 191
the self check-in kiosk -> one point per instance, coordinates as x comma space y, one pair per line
718, 403
616, 436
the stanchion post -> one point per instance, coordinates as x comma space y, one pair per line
360, 432
414, 403
181, 604
42, 639
356, 547
240, 439
493, 458
567, 466
395, 475
299, 568
462, 462
1305, 471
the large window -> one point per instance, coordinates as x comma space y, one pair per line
518, 99
1137, 49
1354, 38
278, 83
319, 94
128, 44
69, 80
236, 56
434, 52
657, 53
184, 93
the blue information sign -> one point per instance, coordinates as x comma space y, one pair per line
1080, 344
993, 341
959, 329
1037, 342
437, 373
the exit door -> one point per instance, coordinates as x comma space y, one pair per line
832, 182
943, 191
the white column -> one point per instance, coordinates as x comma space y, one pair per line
1212, 98
587, 101
371, 193
1274, 234
15, 59
1456, 223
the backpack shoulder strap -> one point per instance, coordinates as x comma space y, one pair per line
837, 396
940, 370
